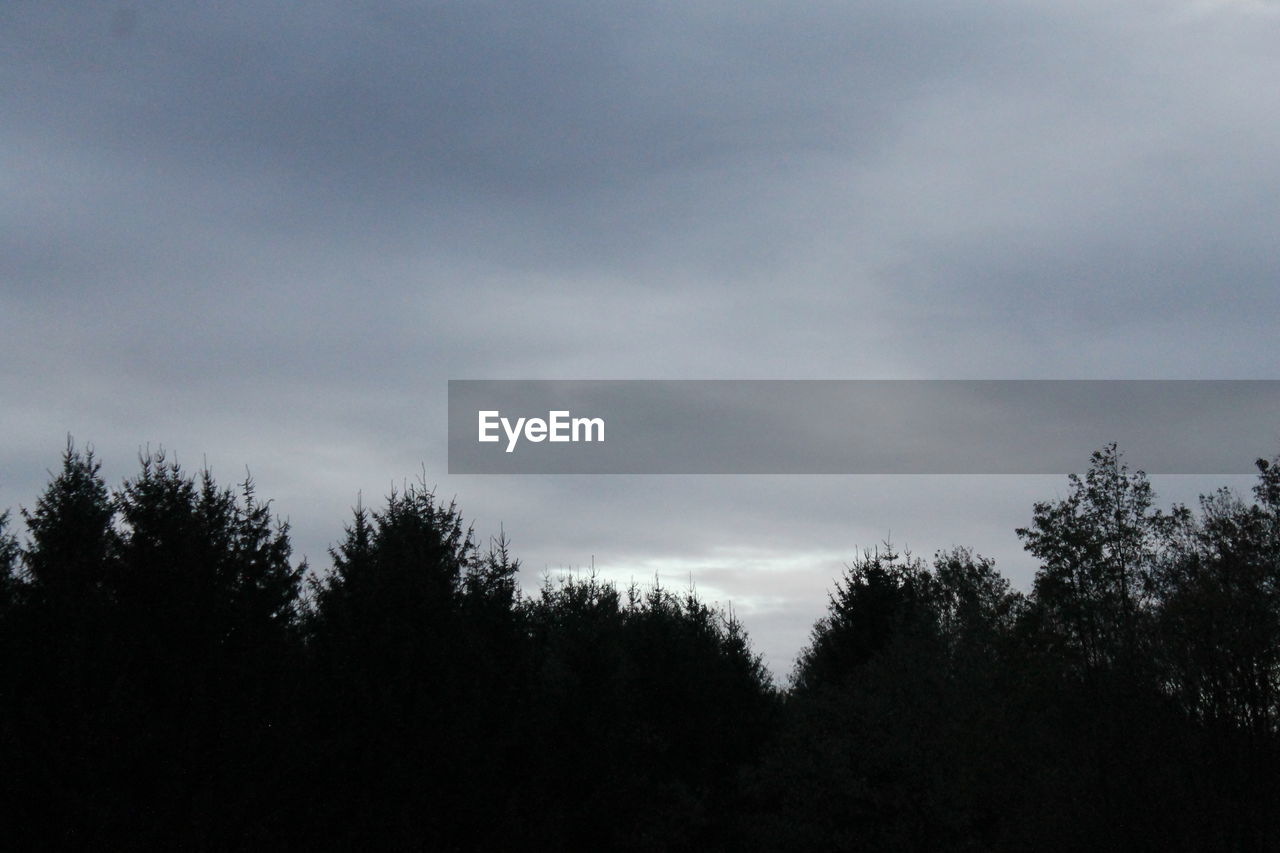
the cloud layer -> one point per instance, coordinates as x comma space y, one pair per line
268, 234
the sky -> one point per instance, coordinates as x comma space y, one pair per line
264, 235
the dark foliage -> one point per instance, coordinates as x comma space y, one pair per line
1129, 703
648, 705
167, 681
149, 661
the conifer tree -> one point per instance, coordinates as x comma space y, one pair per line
71, 532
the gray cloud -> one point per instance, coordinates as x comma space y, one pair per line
269, 233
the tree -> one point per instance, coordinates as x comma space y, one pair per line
201, 632
1098, 549
417, 653
882, 595
10, 556
1093, 645
895, 731
395, 566
201, 565
71, 532
151, 653
976, 605
1219, 615
1219, 596
649, 703
59, 650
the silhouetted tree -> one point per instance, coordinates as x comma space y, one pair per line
10, 555
60, 658
1219, 631
162, 685
71, 533
1220, 613
1098, 702
881, 595
206, 601
648, 706
895, 734
200, 564
419, 652
976, 606
11, 755
153, 641
1098, 549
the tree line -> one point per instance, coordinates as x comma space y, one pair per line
171, 677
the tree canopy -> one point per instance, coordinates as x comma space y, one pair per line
172, 677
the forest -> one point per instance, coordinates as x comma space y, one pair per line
171, 677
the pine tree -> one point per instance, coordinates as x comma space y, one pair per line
881, 596
10, 557
71, 532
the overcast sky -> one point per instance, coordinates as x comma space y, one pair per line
266, 234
